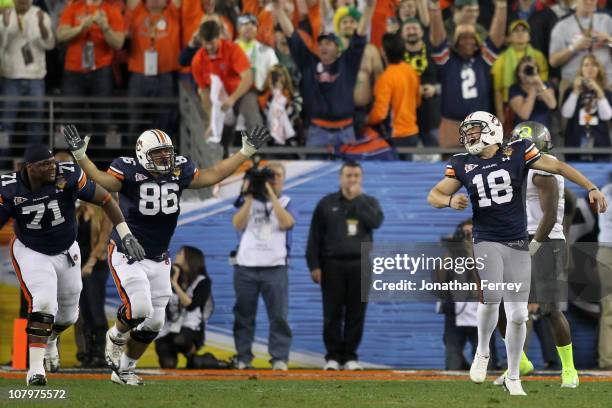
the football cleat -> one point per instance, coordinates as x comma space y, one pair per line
51, 361
113, 350
514, 387
478, 370
353, 365
500, 380
569, 378
36, 379
279, 365
126, 378
331, 365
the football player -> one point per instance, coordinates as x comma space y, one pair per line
150, 187
493, 174
46, 257
545, 211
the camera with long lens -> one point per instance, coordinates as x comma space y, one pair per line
257, 178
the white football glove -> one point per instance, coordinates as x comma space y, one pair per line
77, 146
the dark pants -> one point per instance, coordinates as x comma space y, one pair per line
272, 283
91, 308
97, 83
455, 339
343, 311
168, 347
154, 86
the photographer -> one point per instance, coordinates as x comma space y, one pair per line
530, 97
587, 106
187, 311
264, 221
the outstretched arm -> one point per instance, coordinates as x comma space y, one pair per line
438, 32
558, 167
283, 19
250, 144
366, 18
497, 30
78, 147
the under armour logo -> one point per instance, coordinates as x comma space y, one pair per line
505, 159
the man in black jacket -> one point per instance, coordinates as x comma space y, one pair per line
340, 223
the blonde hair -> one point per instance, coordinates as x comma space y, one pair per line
601, 74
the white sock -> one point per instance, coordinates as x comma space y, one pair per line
486, 317
53, 338
515, 339
37, 354
116, 334
126, 363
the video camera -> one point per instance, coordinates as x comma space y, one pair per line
257, 178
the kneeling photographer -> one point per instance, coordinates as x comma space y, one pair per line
264, 221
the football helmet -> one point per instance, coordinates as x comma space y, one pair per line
536, 132
155, 152
490, 131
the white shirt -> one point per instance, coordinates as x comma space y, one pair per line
263, 243
262, 58
605, 219
14, 39
534, 210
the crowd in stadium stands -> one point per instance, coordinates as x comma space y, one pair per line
317, 72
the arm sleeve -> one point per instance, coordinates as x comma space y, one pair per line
67, 17
201, 77
200, 294
382, 99
441, 53
604, 110
49, 43
188, 172
299, 51
367, 210
355, 51
557, 40
532, 154
569, 106
489, 52
86, 187
315, 238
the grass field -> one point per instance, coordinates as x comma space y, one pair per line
254, 392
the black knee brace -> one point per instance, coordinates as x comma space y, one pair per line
122, 317
39, 324
143, 336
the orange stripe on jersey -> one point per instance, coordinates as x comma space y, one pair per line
82, 180
116, 175
531, 153
24, 288
124, 297
196, 173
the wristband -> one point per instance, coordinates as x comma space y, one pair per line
122, 229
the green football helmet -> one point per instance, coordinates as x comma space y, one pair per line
536, 132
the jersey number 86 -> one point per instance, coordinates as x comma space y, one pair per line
155, 197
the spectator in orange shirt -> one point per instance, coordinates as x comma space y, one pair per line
93, 30
154, 29
398, 88
226, 60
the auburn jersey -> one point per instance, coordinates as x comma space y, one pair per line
45, 220
495, 188
151, 205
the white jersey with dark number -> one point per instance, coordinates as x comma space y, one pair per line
534, 210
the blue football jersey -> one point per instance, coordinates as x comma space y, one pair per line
45, 220
466, 84
151, 205
495, 188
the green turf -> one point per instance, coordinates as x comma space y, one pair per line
316, 394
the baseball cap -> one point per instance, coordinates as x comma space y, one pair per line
37, 152
328, 36
517, 23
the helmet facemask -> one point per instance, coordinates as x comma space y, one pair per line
471, 133
161, 159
